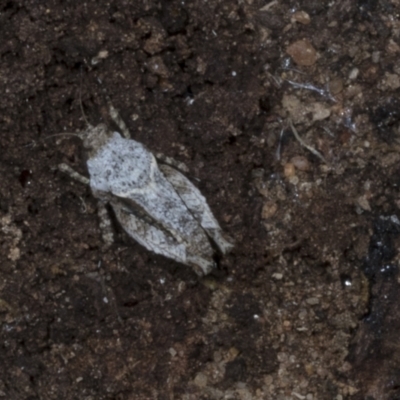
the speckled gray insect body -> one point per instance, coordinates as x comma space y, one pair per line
153, 201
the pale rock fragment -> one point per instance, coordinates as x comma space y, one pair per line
302, 52
320, 112
302, 17
268, 210
312, 301
363, 202
335, 86
289, 170
200, 380
296, 109
301, 163
390, 82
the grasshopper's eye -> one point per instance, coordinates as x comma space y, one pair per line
95, 137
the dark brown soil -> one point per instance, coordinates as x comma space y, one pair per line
306, 305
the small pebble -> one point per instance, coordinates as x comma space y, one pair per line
320, 112
268, 210
312, 301
289, 170
391, 81
302, 52
303, 314
277, 275
301, 163
376, 55
363, 202
335, 86
354, 73
298, 395
392, 47
287, 324
172, 351
302, 17
200, 380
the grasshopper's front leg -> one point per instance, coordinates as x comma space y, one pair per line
105, 222
114, 114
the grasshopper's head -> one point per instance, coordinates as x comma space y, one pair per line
95, 137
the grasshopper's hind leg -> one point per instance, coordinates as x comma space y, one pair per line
114, 114
158, 241
163, 159
197, 205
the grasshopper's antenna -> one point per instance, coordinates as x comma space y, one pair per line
77, 134
34, 143
80, 98
114, 114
